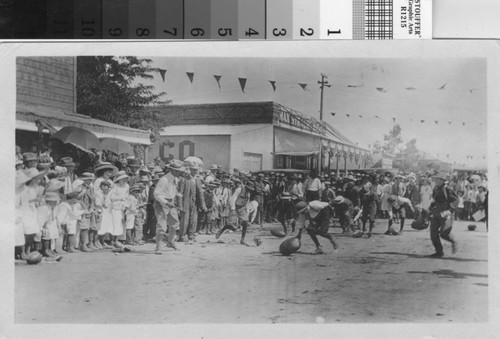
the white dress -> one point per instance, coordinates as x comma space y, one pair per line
47, 216
118, 197
19, 224
103, 201
29, 210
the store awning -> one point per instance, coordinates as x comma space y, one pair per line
296, 154
27, 116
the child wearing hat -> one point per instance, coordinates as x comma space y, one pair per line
30, 200
133, 214
104, 217
70, 211
47, 218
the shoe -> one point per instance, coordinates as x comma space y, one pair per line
319, 250
387, 232
92, 247
454, 246
218, 234
84, 248
368, 235
98, 246
157, 251
171, 245
106, 246
436, 255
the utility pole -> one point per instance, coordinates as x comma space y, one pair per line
323, 83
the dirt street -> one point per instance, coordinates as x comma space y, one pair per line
376, 280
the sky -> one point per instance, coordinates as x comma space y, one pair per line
439, 101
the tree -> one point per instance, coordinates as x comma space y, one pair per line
405, 157
391, 141
109, 88
408, 156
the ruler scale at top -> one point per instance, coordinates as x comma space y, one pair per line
216, 19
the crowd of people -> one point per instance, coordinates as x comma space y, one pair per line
61, 208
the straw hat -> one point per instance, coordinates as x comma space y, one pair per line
301, 207
105, 166
338, 199
176, 165
33, 173
120, 175
54, 185
52, 196
87, 176
66, 162
28, 156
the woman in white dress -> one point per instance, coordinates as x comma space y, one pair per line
118, 197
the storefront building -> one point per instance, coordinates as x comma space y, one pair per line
255, 136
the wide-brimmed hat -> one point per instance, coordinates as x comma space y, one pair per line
105, 166
21, 178
77, 183
136, 188
144, 178
33, 173
43, 165
214, 167
338, 199
155, 177
119, 176
54, 185
250, 186
350, 177
216, 182
441, 176
412, 176
301, 207
144, 169
87, 176
66, 162
315, 207
29, 156
52, 196
132, 162
176, 165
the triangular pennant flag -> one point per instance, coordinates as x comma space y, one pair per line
333, 114
360, 116
162, 73
442, 87
347, 115
381, 89
463, 123
436, 121
303, 86
217, 78
190, 76
410, 88
377, 117
422, 121
243, 82
273, 83
449, 122
393, 119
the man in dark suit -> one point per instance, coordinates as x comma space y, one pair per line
192, 200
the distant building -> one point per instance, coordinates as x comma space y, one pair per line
253, 136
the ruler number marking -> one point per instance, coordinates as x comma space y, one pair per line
309, 32
279, 32
225, 31
173, 32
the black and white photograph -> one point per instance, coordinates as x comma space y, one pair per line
265, 185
